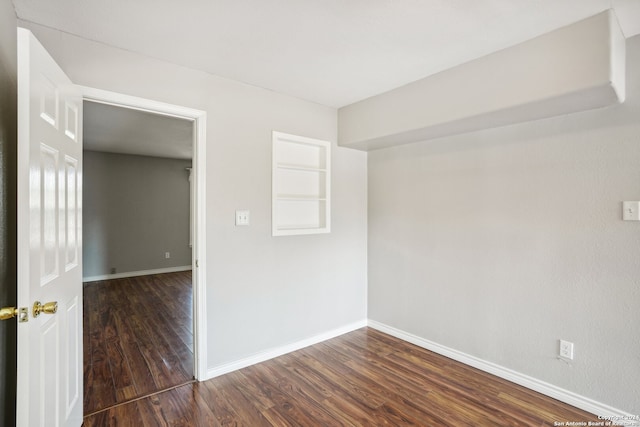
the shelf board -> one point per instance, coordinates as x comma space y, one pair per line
301, 168
295, 198
292, 230
300, 227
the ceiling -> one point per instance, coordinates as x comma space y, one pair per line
121, 130
333, 52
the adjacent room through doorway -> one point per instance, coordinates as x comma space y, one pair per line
137, 254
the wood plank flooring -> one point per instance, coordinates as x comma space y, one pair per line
137, 337
364, 378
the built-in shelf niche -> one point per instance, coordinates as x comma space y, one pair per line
301, 185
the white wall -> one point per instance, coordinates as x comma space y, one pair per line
498, 243
263, 292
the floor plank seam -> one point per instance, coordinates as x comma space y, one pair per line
135, 399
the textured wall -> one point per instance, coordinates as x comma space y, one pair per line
8, 138
262, 291
498, 243
136, 208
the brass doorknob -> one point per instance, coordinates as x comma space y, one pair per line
48, 308
21, 313
8, 313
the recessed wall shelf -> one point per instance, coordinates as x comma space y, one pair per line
301, 185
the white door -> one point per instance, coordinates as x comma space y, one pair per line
49, 391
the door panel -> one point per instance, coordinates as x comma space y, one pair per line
71, 227
49, 240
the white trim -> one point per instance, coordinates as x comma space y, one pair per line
199, 247
142, 104
279, 351
136, 273
531, 383
199, 119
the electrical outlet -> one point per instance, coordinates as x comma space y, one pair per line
566, 350
167, 255
113, 270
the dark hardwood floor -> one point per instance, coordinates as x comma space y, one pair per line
364, 378
137, 337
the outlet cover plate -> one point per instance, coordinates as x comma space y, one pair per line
566, 350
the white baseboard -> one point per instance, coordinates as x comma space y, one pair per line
279, 351
531, 383
136, 273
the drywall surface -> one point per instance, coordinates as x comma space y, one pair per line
575, 68
262, 291
135, 208
8, 147
498, 243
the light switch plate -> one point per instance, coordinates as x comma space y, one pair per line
631, 211
242, 217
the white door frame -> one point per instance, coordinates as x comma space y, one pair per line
199, 118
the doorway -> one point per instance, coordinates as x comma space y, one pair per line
165, 283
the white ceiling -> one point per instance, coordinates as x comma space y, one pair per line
121, 130
333, 52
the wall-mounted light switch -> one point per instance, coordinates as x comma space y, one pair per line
631, 211
242, 217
